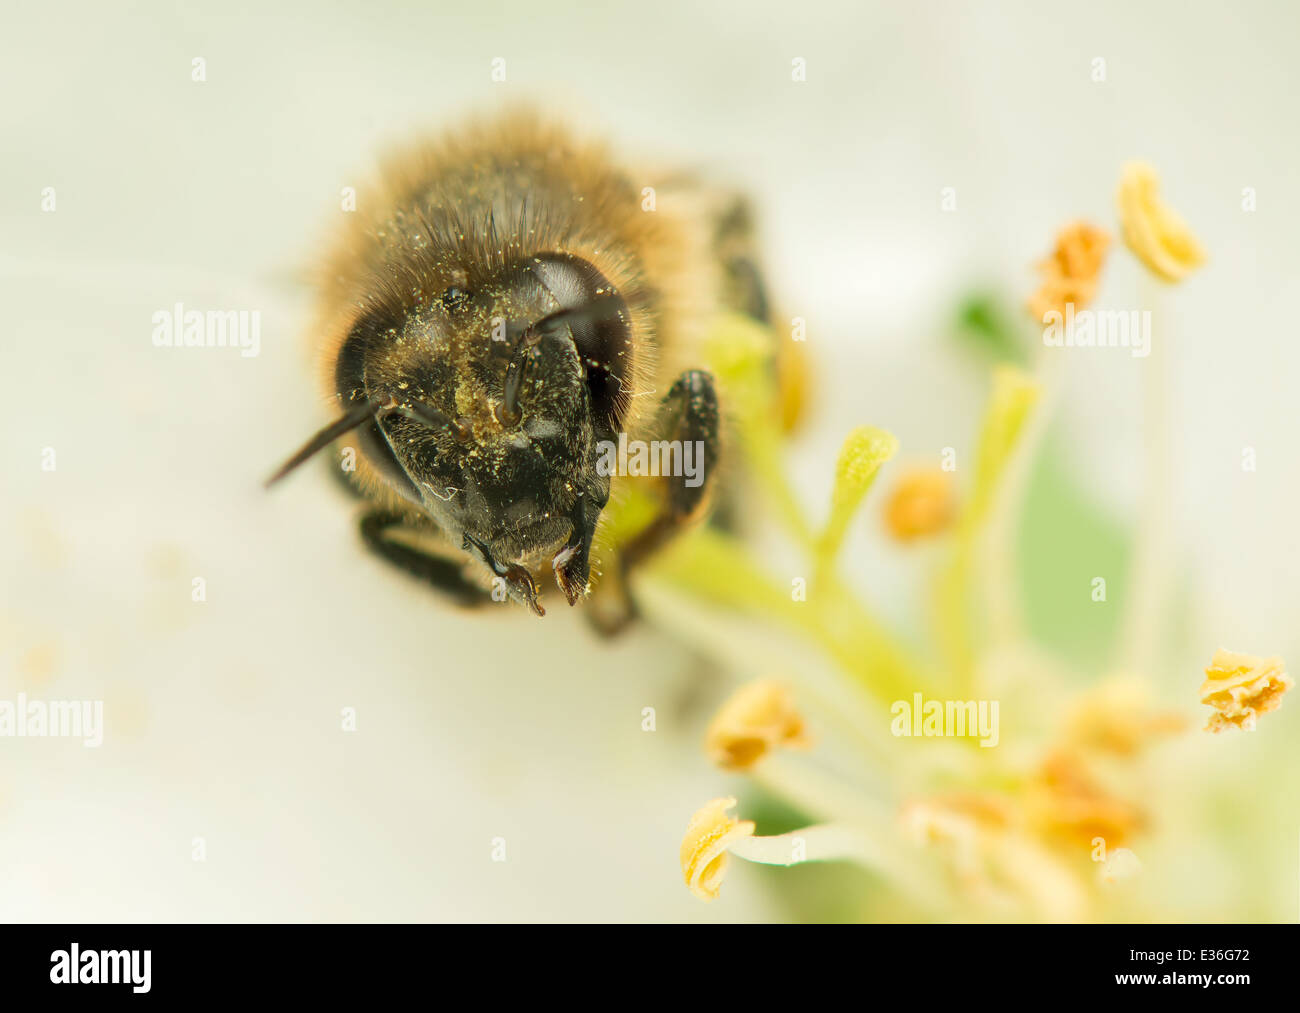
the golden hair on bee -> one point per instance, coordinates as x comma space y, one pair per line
501, 309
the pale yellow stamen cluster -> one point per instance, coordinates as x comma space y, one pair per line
931, 822
758, 718
1152, 230
704, 848
1017, 841
998, 866
1071, 273
1117, 718
1240, 687
1070, 807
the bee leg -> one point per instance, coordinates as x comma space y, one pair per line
692, 414
736, 248
735, 244
442, 574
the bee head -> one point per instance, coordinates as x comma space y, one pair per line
486, 407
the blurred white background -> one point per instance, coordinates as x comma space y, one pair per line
223, 717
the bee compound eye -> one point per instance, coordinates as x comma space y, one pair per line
603, 339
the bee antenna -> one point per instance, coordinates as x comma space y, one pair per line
357, 415
427, 415
508, 411
417, 411
363, 411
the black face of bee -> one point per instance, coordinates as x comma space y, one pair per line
491, 399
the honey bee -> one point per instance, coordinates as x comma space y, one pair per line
504, 303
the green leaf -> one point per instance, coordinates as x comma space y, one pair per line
984, 325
